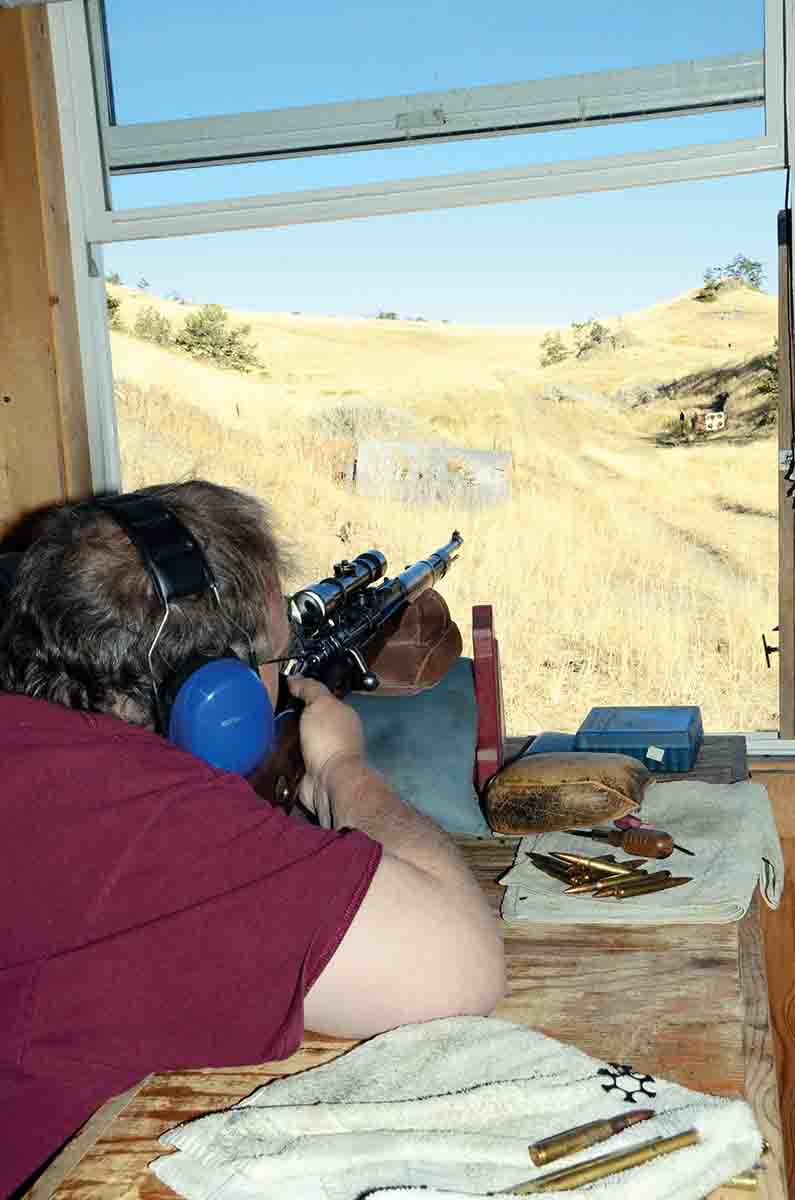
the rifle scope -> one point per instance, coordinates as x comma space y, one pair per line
316, 603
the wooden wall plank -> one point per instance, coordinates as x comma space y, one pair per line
778, 776
44, 454
779, 934
760, 1051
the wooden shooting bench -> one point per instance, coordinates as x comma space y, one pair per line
688, 1002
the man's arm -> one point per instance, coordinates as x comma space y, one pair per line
424, 942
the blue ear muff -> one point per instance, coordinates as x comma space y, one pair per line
223, 714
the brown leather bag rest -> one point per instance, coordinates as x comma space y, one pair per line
420, 650
544, 792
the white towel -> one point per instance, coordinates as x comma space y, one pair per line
730, 828
450, 1106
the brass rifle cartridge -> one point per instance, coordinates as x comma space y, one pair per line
549, 1149
606, 1164
594, 864
624, 891
631, 881
565, 870
746, 1181
552, 874
551, 867
611, 858
602, 881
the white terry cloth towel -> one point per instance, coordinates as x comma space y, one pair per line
450, 1104
729, 827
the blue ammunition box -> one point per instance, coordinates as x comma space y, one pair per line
664, 738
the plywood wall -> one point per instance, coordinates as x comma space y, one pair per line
778, 776
43, 438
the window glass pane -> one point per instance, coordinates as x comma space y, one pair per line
197, 58
634, 560
376, 166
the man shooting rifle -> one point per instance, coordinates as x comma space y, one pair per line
155, 913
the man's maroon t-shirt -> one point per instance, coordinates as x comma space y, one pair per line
155, 914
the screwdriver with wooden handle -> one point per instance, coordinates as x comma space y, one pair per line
648, 843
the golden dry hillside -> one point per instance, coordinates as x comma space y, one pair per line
629, 566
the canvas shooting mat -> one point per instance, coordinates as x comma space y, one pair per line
424, 745
445, 1110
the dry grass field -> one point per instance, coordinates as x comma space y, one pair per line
629, 566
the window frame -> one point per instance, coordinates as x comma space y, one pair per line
94, 148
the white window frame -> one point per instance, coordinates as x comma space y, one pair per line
535, 106
94, 147
596, 98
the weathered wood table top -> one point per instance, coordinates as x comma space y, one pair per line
685, 1001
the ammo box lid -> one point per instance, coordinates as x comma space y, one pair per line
626, 730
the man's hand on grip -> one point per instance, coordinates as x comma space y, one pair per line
330, 731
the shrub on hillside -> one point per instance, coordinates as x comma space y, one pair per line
588, 335
769, 383
113, 304
709, 290
152, 326
552, 350
207, 334
741, 269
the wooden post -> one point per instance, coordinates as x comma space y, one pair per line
44, 456
778, 776
488, 694
786, 504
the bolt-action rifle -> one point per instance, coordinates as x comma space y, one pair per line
337, 625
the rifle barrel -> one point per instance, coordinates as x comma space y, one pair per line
425, 573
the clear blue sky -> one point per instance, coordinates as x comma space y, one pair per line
549, 262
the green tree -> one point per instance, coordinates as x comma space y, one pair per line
114, 277
741, 269
206, 334
745, 270
553, 350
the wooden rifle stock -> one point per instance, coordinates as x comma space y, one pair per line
277, 779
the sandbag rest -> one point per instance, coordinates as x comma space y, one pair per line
420, 650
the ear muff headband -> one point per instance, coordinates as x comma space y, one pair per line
217, 709
174, 560
9, 564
